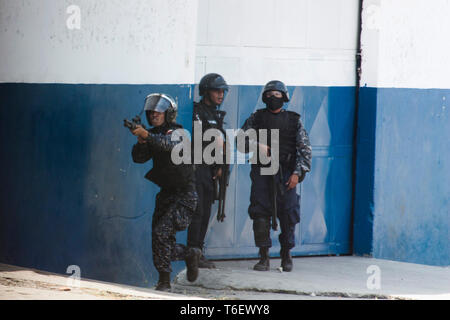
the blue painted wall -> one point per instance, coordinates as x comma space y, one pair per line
403, 191
72, 195
365, 173
412, 170
328, 116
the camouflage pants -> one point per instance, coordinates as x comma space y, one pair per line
173, 212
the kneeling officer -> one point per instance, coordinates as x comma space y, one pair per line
177, 199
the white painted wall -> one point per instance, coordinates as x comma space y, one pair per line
132, 41
301, 42
405, 43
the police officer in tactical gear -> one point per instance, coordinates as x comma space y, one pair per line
276, 193
177, 199
212, 89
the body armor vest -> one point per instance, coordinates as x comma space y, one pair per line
165, 173
211, 118
286, 122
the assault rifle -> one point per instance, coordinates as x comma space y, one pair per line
224, 179
223, 184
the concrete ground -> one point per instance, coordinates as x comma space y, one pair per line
327, 278
18, 283
313, 278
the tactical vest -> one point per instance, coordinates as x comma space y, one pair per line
210, 117
165, 173
286, 122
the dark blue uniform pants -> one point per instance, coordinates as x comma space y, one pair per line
173, 213
200, 220
261, 208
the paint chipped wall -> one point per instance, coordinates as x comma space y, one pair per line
403, 132
133, 41
405, 45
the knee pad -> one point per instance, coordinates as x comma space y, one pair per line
261, 229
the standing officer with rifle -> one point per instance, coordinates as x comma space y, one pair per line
177, 199
212, 89
274, 196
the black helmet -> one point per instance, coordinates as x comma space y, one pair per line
276, 85
212, 81
161, 102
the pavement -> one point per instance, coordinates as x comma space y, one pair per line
17, 283
336, 277
313, 278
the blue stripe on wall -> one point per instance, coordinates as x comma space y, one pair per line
402, 189
365, 161
72, 196
412, 176
70, 192
328, 115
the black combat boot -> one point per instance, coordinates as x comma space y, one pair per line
192, 258
163, 282
286, 260
264, 262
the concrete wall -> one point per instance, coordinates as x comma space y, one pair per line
71, 195
404, 129
101, 41
403, 44
70, 192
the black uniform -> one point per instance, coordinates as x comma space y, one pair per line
295, 157
177, 199
209, 117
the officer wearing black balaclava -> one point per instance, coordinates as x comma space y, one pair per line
276, 193
207, 114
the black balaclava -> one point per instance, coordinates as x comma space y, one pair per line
274, 103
